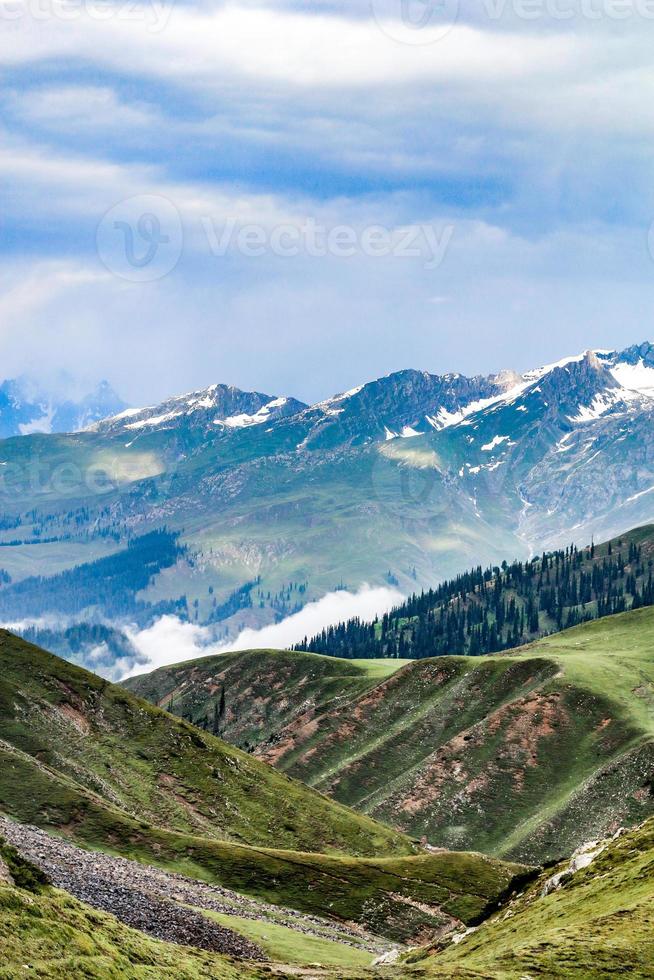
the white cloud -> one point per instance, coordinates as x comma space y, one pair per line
25, 291
170, 641
79, 108
289, 47
547, 73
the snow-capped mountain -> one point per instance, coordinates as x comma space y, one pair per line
403, 480
26, 409
217, 408
406, 403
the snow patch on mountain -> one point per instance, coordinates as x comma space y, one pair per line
42, 424
636, 496
496, 441
244, 420
636, 377
153, 420
27, 409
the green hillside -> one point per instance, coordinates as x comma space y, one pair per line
500, 608
91, 761
598, 924
248, 697
525, 754
103, 750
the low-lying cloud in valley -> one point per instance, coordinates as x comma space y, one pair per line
170, 640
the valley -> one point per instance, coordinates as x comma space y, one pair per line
463, 786
525, 754
432, 793
404, 481
326, 490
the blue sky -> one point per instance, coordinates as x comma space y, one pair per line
518, 131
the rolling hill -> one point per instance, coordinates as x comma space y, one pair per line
596, 924
593, 922
525, 754
47, 931
493, 609
92, 762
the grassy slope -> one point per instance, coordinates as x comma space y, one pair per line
283, 945
47, 933
525, 755
106, 750
264, 689
599, 924
318, 523
87, 759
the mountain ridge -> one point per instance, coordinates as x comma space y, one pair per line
406, 480
525, 754
27, 408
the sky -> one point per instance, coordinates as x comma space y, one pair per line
297, 198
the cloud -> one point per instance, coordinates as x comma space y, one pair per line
506, 128
296, 48
335, 607
78, 108
40, 285
170, 641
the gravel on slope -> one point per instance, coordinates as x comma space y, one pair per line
156, 901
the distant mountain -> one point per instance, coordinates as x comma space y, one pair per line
25, 409
406, 480
219, 408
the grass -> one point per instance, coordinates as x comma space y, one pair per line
284, 945
317, 524
599, 924
47, 933
264, 689
106, 749
382, 668
612, 656
522, 755
400, 898
90, 761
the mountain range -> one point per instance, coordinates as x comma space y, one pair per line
403, 481
26, 408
